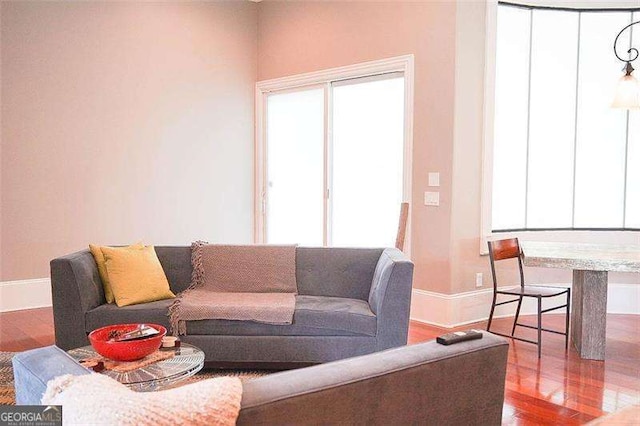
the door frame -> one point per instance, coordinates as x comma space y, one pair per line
404, 64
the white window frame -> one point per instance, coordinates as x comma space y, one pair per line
404, 64
486, 231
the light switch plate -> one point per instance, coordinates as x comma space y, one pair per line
431, 198
434, 179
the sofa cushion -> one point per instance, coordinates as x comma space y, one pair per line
176, 262
153, 312
336, 271
314, 316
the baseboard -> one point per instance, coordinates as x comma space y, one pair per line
442, 310
453, 310
25, 294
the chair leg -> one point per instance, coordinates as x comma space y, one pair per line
493, 307
515, 321
539, 327
566, 325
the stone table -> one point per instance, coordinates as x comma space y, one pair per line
590, 264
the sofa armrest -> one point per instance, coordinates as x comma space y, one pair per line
390, 297
33, 369
425, 383
76, 288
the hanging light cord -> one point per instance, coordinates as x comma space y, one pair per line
633, 52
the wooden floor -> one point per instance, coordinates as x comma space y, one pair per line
559, 388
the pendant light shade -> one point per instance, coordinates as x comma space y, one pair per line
628, 90
627, 93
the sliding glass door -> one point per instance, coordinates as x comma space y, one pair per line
295, 167
367, 148
334, 162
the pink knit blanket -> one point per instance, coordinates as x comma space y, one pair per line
246, 283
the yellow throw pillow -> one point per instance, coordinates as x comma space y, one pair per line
136, 276
96, 251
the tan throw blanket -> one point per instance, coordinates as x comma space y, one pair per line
247, 283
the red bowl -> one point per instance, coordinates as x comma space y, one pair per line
129, 350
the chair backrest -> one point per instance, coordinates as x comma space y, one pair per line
402, 226
501, 250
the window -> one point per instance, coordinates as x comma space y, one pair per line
332, 155
562, 157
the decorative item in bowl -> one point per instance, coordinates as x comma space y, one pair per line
127, 342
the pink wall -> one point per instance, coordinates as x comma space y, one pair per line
124, 121
134, 120
307, 36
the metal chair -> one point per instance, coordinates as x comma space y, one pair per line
510, 249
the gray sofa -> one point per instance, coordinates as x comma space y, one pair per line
351, 302
426, 384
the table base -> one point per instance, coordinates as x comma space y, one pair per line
589, 313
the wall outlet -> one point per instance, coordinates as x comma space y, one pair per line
479, 279
434, 179
431, 198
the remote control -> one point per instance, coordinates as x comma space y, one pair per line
458, 336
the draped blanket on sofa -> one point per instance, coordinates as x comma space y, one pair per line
248, 283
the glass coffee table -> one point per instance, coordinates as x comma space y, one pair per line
162, 374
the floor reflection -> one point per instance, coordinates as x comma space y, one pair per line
562, 388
